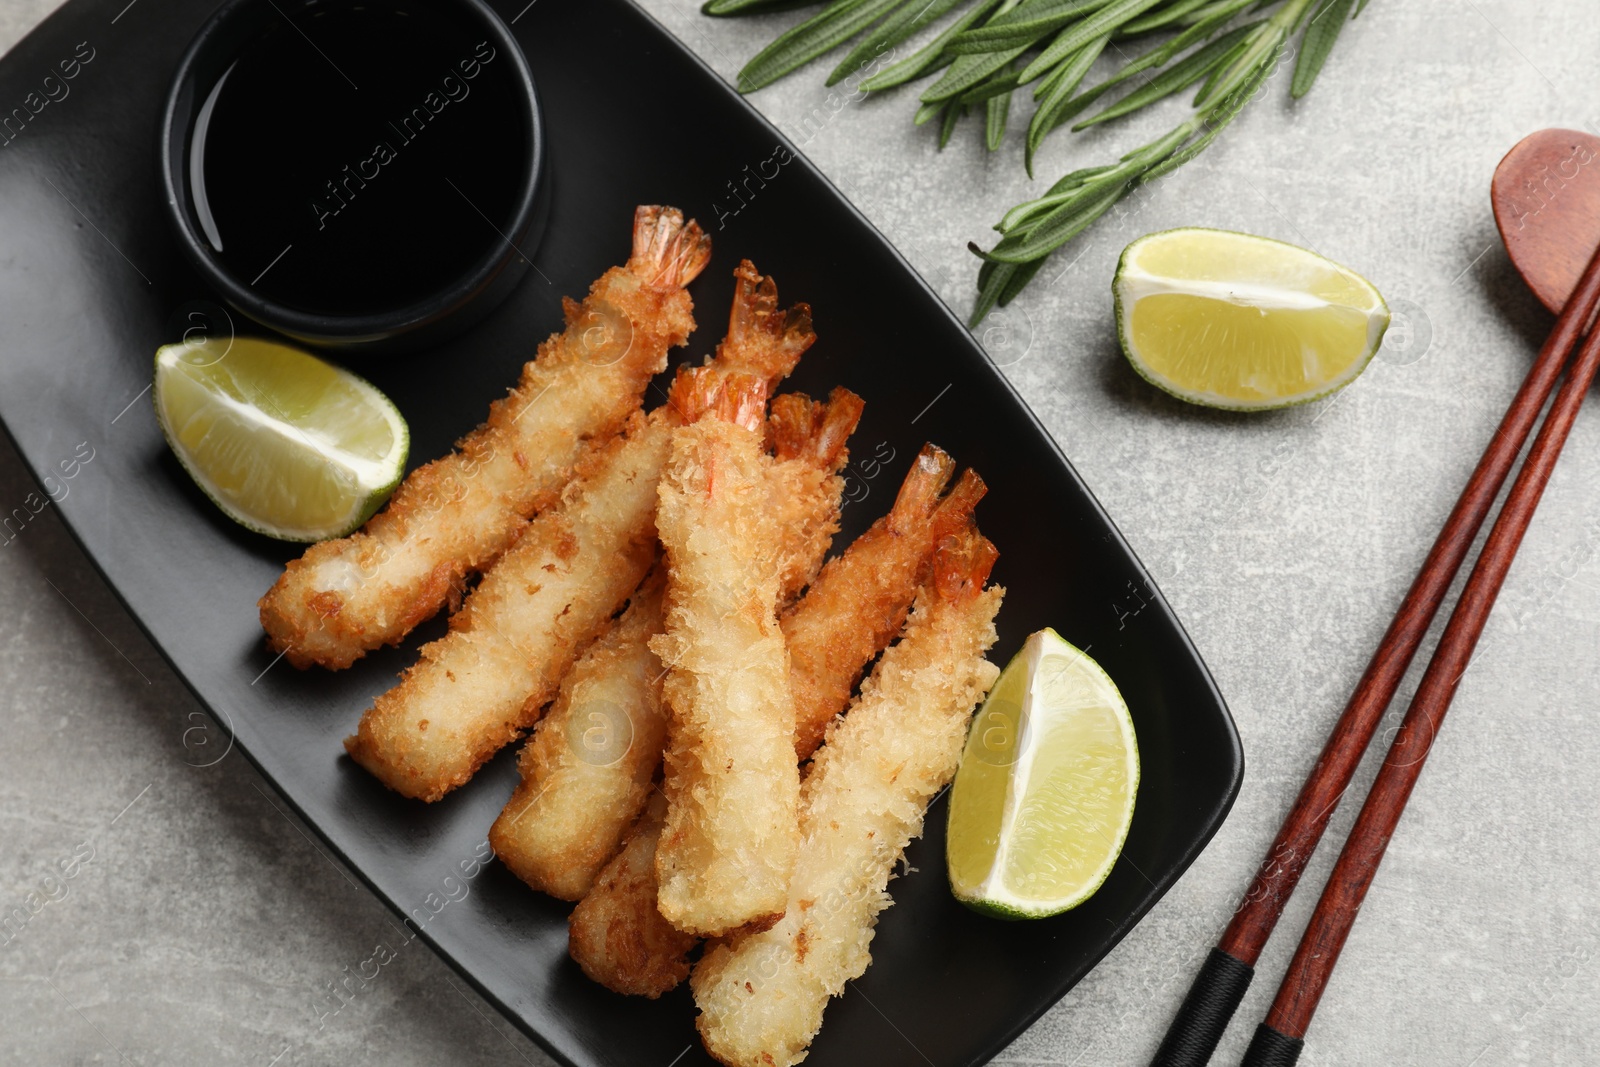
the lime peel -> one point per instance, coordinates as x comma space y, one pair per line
1183, 303
282, 442
1043, 800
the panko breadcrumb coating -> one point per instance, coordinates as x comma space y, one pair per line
589, 766
807, 439
728, 844
476, 689
453, 517
641, 959
761, 996
858, 603
847, 616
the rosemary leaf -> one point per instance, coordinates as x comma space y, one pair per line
1202, 13
952, 115
1021, 216
1315, 46
1219, 72
1217, 121
1261, 49
931, 57
1202, 30
994, 118
1055, 229
1180, 76
816, 36
1024, 25
1076, 36
1161, 17
728, 8
890, 32
1048, 84
1019, 280
968, 71
1156, 57
1080, 177
1003, 81
1058, 194
993, 279
1063, 84
984, 43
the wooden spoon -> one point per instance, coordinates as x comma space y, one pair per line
1546, 197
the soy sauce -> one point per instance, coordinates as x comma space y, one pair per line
357, 157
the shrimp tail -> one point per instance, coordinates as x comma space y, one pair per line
667, 252
805, 429
743, 401
955, 510
763, 339
793, 419
737, 398
918, 498
961, 564
839, 421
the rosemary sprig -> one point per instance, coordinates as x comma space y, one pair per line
992, 48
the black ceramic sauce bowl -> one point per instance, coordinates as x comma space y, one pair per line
362, 175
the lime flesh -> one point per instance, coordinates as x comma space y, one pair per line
1235, 321
284, 443
1044, 796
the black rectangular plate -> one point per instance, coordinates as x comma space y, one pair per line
91, 284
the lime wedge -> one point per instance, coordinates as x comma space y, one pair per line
1044, 796
1234, 321
282, 442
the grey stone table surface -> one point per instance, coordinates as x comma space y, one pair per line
206, 924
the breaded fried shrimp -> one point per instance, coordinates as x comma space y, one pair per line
588, 767
763, 339
453, 517
475, 689
728, 843
535, 611
858, 602
804, 488
847, 616
607, 941
761, 996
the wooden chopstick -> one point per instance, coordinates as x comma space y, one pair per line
1278, 1041
1221, 984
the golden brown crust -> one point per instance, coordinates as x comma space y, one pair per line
883, 566
728, 842
616, 934
804, 489
477, 688
589, 766
857, 604
762, 996
454, 516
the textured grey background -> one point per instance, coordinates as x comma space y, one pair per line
207, 922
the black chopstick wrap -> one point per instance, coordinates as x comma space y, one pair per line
1269, 1048
1200, 1022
